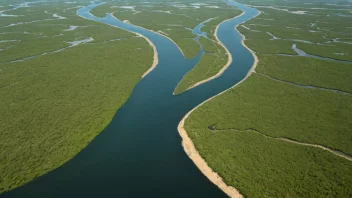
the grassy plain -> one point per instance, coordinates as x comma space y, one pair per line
264, 166
53, 105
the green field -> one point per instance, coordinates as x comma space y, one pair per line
239, 133
53, 105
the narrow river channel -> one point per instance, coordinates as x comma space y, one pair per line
139, 154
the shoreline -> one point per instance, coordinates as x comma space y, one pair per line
126, 21
191, 150
155, 56
229, 61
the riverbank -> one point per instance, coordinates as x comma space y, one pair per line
126, 21
155, 56
202, 165
188, 145
255, 164
229, 61
55, 88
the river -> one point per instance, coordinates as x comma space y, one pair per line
139, 154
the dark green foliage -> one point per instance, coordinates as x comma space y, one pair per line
336, 51
263, 167
175, 25
307, 71
53, 105
209, 65
260, 166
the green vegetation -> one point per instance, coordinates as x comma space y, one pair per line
307, 71
209, 65
271, 46
46, 97
262, 167
53, 105
47, 41
336, 51
259, 164
161, 20
172, 21
321, 28
323, 111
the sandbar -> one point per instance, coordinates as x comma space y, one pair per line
188, 145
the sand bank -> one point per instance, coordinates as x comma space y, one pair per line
155, 58
189, 147
126, 21
229, 61
197, 159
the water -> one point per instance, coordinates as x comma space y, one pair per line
197, 29
302, 53
139, 154
198, 33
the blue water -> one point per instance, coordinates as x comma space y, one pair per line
197, 29
139, 154
198, 33
303, 53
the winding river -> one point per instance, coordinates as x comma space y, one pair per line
139, 154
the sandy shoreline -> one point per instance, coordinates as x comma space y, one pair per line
155, 58
189, 147
229, 61
126, 21
163, 36
202, 165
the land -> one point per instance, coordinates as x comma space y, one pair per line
175, 20
60, 98
62, 80
269, 135
211, 65
282, 132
